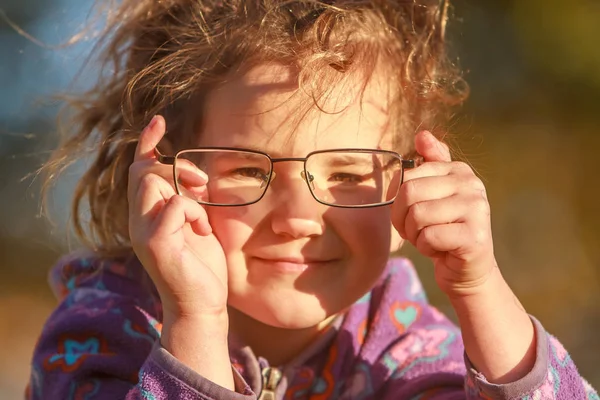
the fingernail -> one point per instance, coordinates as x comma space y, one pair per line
438, 143
431, 137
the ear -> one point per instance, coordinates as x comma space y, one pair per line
396, 241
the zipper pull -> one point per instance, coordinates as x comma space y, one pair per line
271, 378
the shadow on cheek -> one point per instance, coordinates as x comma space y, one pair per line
340, 285
367, 236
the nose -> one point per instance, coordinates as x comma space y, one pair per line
295, 213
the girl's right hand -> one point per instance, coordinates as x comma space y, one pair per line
172, 237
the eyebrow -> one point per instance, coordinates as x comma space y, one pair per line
344, 160
253, 148
239, 155
248, 147
334, 160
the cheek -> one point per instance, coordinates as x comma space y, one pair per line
367, 232
232, 226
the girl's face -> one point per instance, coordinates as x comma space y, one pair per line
292, 261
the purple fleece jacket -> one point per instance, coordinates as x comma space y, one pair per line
102, 342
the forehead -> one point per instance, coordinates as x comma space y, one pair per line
267, 110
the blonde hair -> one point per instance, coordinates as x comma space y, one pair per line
158, 57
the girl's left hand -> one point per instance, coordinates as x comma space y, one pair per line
442, 209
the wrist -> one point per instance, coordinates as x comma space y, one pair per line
497, 332
200, 342
191, 311
488, 283
493, 294
211, 325
185, 337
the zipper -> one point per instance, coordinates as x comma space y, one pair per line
271, 378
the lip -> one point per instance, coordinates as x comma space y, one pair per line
292, 264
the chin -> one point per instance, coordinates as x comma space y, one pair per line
300, 321
286, 312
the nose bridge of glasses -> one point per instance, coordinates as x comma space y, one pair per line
305, 175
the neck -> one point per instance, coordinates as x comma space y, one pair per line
278, 345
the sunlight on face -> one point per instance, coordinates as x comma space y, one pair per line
292, 261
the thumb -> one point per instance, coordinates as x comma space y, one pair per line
431, 148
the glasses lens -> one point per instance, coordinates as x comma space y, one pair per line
222, 177
354, 178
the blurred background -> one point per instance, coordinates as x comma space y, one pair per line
531, 128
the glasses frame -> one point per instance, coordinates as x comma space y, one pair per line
406, 164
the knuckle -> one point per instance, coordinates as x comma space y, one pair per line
480, 205
417, 211
410, 218
177, 202
480, 236
149, 180
137, 169
429, 234
476, 183
409, 190
461, 167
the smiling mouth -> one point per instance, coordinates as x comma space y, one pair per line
292, 265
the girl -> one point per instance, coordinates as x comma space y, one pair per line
245, 253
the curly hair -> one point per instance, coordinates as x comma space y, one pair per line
158, 57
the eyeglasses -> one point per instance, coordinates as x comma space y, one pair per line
349, 178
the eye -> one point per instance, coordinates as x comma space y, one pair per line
249, 172
343, 177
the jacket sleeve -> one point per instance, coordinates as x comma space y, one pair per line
554, 375
101, 344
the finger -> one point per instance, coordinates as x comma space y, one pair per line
431, 188
189, 174
153, 193
430, 181
191, 181
180, 211
432, 149
149, 139
437, 240
431, 168
144, 206
138, 170
461, 239
419, 190
435, 212
437, 168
